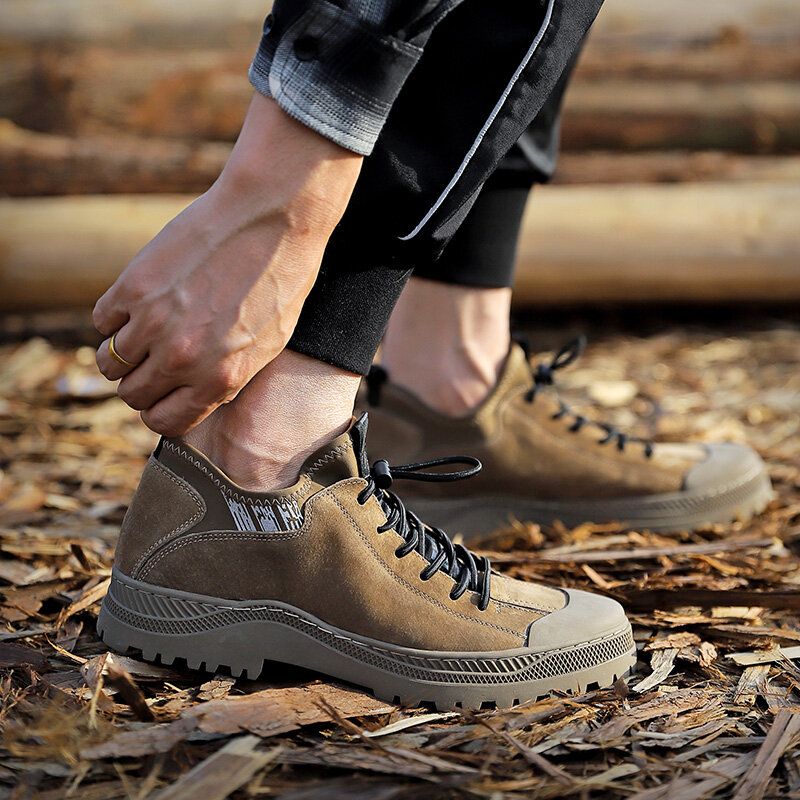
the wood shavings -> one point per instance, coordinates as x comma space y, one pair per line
715, 612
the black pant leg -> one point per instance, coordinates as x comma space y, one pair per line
483, 250
485, 75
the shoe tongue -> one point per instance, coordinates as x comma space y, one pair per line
516, 371
344, 457
515, 374
358, 436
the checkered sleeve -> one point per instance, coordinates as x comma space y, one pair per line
338, 66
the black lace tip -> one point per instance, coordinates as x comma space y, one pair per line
381, 474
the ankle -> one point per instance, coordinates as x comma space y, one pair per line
288, 410
447, 344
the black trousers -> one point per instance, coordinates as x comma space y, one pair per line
475, 125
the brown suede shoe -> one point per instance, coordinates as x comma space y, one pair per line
332, 574
542, 462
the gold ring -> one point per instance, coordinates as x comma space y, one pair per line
116, 356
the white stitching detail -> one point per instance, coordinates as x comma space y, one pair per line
327, 458
218, 536
235, 535
223, 487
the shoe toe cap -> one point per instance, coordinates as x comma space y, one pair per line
724, 466
584, 618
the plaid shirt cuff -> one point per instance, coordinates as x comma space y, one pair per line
330, 70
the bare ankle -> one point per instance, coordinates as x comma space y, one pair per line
446, 344
291, 408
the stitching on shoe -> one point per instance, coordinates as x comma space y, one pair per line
184, 526
520, 607
222, 486
326, 458
218, 536
221, 536
266, 538
398, 578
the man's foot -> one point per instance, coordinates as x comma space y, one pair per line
333, 574
542, 462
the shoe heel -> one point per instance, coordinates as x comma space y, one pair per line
164, 629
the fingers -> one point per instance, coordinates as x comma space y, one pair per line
108, 365
108, 316
143, 387
178, 412
126, 348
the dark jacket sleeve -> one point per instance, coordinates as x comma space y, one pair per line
338, 66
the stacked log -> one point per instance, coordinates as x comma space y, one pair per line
685, 242
109, 97
203, 94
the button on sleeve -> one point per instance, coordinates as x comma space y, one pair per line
331, 70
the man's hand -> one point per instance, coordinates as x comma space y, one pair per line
216, 295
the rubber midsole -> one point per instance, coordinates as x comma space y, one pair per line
199, 628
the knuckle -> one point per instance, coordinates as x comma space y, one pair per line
131, 398
136, 292
182, 354
163, 423
100, 360
156, 317
99, 316
227, 378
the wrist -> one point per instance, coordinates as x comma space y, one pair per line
281, 166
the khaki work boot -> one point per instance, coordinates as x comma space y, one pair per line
334, 575
542, 462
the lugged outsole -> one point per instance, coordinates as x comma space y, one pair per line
209, 634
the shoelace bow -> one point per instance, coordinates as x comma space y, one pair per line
543, 375
433, 544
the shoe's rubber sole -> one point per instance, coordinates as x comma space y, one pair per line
209, 633
677, 511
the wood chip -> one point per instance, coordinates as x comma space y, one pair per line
783, 734
222, 773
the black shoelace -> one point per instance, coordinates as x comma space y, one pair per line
470, 573
543, 375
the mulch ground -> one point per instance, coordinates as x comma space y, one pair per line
714, 710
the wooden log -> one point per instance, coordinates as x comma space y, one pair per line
203, 95
731, 59
33, 163
690, 242
65, 252
686, 21
193, 94
200, 23
759, 116
579, 245
673, 166
209, 22
42, 164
